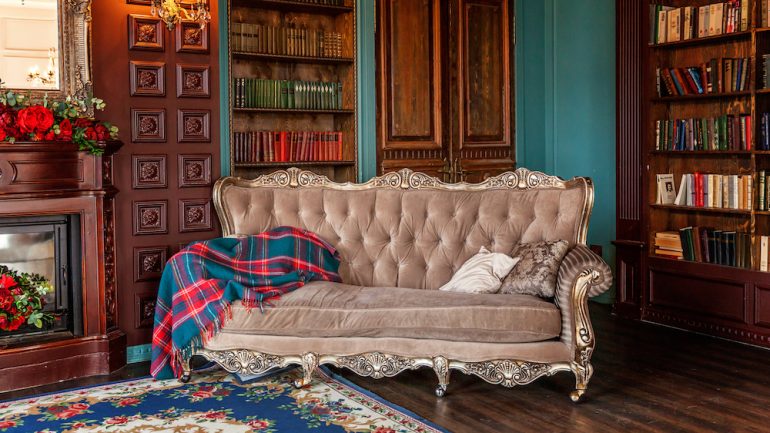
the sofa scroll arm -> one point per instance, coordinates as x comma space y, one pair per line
582, 274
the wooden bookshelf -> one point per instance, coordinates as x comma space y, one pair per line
710, 298
278, 65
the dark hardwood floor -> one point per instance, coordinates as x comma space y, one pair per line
647, 378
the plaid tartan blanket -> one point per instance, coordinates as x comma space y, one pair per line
201, 281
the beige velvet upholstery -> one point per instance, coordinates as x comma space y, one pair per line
324, 309
410, 238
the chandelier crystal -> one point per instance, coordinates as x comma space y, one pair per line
172, 12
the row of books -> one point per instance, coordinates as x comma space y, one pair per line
724, 191
764, 141
714, 76
706, 245
282, 146
292, 94
727, 132
669, 24
290, 41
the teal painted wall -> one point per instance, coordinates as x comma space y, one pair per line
566, 99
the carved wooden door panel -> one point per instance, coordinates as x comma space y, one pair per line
444, 87
481, 101
410, 107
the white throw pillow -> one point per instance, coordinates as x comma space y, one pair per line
482, 273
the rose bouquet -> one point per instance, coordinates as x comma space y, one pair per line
22, 297
22, 119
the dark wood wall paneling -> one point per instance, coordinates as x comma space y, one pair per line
631, 41
444, 87
161, 88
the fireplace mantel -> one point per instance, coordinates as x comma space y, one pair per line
44, 178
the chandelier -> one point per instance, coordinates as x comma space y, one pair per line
174, 11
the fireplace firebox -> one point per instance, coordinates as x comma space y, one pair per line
50, 246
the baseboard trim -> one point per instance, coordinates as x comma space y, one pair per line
140, 353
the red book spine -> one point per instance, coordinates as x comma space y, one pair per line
339, 146
748, 132
698, 190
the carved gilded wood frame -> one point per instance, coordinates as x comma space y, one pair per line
75, 52
506, 372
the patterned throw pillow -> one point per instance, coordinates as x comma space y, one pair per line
482, 273
536, 271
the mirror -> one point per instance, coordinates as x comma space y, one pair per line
44, 46
29, 44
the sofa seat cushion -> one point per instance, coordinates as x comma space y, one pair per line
324, 309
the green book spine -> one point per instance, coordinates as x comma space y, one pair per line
277, 93
284, 94
339, 95
290, 96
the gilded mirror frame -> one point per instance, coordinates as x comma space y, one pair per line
75, 52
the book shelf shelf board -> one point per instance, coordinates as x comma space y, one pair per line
278, 65
293, 111
676, 208
279, 164
687, 98
703, 40
292, 58
295, 6
702, 153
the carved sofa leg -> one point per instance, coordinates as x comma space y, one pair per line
583, 373
309, 364
186, 371
441, 367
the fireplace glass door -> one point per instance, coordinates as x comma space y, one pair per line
48, 246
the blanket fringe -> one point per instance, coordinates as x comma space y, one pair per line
183, 354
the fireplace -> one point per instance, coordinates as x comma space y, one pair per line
57, 219
50, 246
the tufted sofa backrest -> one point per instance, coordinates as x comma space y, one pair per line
408, 229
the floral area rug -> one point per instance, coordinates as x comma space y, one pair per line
213, 401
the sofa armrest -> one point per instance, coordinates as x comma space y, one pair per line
582, 274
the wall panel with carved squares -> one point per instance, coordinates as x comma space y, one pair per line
193, 125
194, 215
155, 169
149, 262
192, 81
149, 171
144, 310
148, 124
150, 217
146, 32
194, 170
147, 78
191, 38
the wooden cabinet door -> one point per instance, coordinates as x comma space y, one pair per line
482, 99
410, 108
444, 87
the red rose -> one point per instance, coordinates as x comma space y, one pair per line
82, 122
35, 119
90, 134
117, 420
7, 281
79, 406
129, 402
7, 424
102, 132
65, 130
8, 122
2, 134
50, 136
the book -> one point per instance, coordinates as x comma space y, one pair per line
764, 242
666, 189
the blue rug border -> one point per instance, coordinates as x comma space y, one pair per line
324, 368
380, 399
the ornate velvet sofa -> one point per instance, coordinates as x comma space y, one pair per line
400, 237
